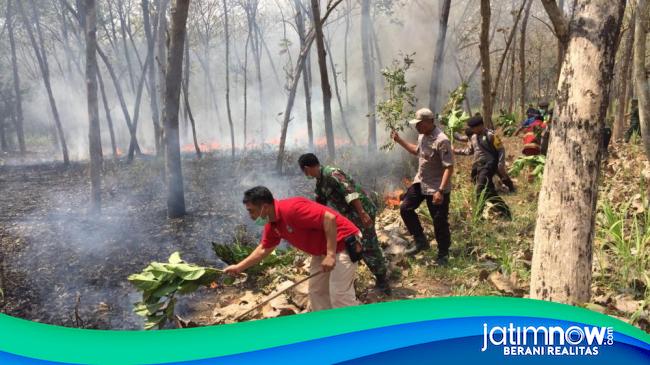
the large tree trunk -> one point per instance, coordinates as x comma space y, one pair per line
486, 74
324, 78
522, 59
94, 136
438, 58
562, 256
369, 74
300, 26
149, 32
161, 54
227, 40
41, 56
640, 74
624, 73
175, 195
18, 112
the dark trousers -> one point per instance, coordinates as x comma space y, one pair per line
482, 175
439, 213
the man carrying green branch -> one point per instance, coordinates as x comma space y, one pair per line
432, 183
330, 238
337, 188
488, 153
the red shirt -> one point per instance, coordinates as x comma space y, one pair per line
300, 222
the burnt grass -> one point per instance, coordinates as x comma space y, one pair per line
63, 266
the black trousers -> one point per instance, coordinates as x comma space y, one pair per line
482, 175
439, 213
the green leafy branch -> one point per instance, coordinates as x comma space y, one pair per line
452, 116
160, 282
395, 111
536, 163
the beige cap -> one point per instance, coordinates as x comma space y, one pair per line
422, 114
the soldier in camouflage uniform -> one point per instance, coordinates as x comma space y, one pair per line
335, 187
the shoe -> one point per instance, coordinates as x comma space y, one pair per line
381, 285
421, 244
442, 260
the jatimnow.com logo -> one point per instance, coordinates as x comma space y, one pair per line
547, 340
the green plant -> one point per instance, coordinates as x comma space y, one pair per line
452, 115
507, 123
234, 253
160, 282
536, 163
395, 111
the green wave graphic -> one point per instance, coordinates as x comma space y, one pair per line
53, 343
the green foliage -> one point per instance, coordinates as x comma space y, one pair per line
160, 282
234, 253
397, 110
536, 163
507, 123
627, 238
452, 115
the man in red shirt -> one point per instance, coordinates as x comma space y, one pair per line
315, 229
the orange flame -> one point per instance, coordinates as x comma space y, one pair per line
392, 198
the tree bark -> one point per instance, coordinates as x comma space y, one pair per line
107, 111
41, 56
522, 59
129, 67
438, 58
136, 111
227, 40
94, 134
486, 75
562, 259
624, 89
640, 73
175, 194
324, 78
369, 74
153, 99
186, 100
561, 27
18, 111
300, 26
344, 120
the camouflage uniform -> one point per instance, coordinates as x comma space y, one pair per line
339, 190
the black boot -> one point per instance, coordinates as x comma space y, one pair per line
381, 285
421, 244
509, 184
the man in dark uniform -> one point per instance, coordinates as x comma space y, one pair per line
432, 183
335, 187
635, 125
488, 153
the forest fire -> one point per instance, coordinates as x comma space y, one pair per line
392, 199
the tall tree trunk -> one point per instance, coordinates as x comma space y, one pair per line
369, 73
18, 105
41, 56
127, 56
522, 59
227, 40
161, 54
186, 100
562, 259
561, 45
486, 74
324, 78
344, 120
346, 42
153, 98
248, 41
640, 73
107, 111
438, 58
136, 111
94, 134
623, 91
300, 26
174, 74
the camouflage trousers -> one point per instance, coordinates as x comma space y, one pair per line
373, 256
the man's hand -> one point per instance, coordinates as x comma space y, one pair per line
395, 136
366, 220
438, 197
233, 270
328, 263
